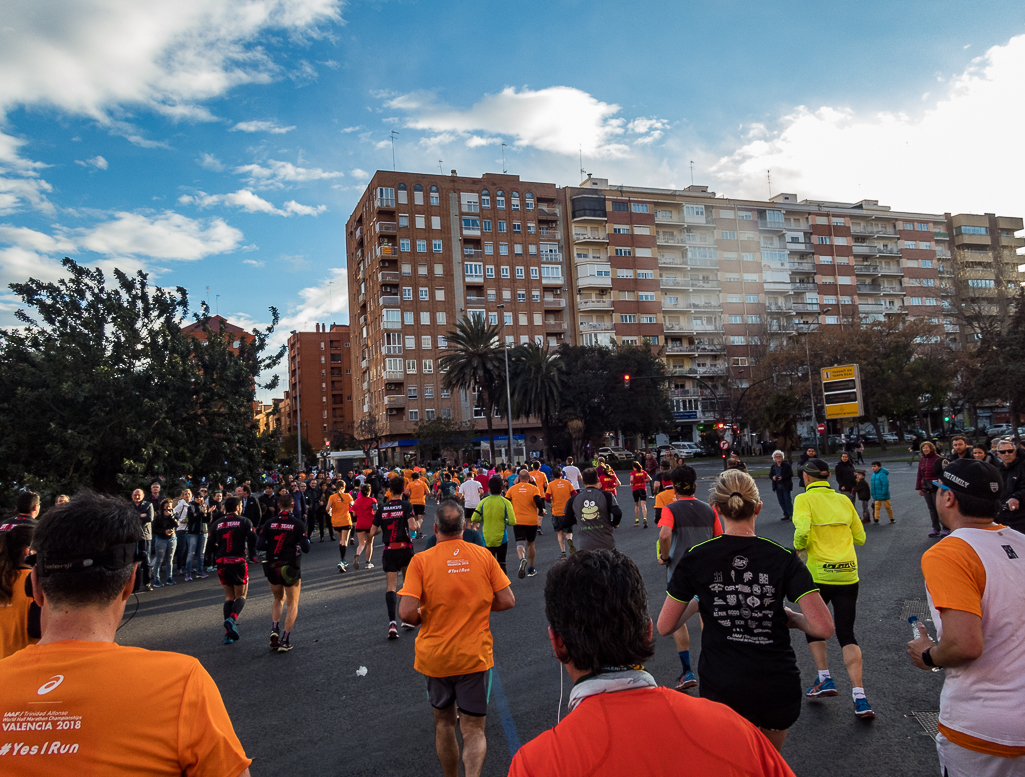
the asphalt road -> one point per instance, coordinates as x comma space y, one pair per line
308, 712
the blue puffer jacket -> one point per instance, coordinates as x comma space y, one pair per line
881, 485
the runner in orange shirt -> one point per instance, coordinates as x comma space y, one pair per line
339, 508
559, 492
419, 490
528, 506
19, 614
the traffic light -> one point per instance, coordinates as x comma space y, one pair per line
946, 419
720, 425
626, 381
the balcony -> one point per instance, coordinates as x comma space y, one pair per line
780, 286
473, 280
870, 229
471, 232
597, 326
594, 282
869, 288
892, 289
550, 281
590, 237
871, 307
802, 266
804, 248
551, 256
804, 307
940, 236
388, 276
394, 375
866, 269
554, 303
890, 269
391, 325
896, 309
803, 287
472, 253
777, 226
706, 220
361, 298
668, 238
942, 253
471, 207
861, 249
671, 349
476, 299
547, 211
555, 326
599, 303
390, 300
395, 400
386, 227
385, 202
670, 219
889, 250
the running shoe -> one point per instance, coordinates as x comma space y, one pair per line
158, 584
171, 581
275, 640
355, 562
227, 639
824, 688
645, 524
352, 540
188, 579
877, 520
570, 545
148, 587
393, 631
202, 575
862, 708
893, 520
562, 555
687, 680
342, 567
523, 569
637, 522
539, 529
369, 565
231, 628
407, 625
935, 534
531, 572
284, 647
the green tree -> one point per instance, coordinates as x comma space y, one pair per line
473, 363
537, 384
1002, 374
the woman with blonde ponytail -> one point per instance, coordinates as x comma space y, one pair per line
740, 581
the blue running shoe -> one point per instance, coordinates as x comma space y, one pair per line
862, 710
228, 640
825, 688
687, 680
231, 629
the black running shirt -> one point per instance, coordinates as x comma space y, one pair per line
234, 539
393, 520
282, 538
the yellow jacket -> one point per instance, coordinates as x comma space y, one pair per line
828, 527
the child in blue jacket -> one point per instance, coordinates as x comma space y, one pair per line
881, 489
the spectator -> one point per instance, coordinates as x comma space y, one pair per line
600, 631
974, 580
144, 510
165, 543
734, 462
981, 453
863, 492
782, 476
196, 531
83, 576
1012, 490
454, 646
19, 614
845, 479
880, 489
924, 484
809, 454
27, 507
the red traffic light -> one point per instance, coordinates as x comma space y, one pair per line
720, 425
626, 381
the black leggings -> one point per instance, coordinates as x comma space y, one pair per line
845, 607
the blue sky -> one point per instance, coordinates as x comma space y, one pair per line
223, 143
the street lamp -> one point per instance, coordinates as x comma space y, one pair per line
811, 383
298, 415
508, 393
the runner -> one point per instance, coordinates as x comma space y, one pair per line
827, 526
571, 473
494, 514
418, 493
639, 485
607, 478
597, 513
234, 540
282, 538
364, 508
683, 522
539, 478
470, 492
559, 492
339, 508
395, 520
19, 614
527, 505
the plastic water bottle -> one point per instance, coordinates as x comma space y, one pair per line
913, 620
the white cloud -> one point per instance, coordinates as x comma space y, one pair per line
560, 119
353, 129
165, 235
275, 174
252, 263
357, 173
261, 126
97, 161
210, 162
20, 183
249, 202
304, 210
958, 154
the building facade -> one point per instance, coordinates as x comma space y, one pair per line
319, 395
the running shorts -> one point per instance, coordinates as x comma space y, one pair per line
499, 552
339, 527
419, 509
775, 712
396, 560
845, 608
469, 691
525, 533
559, 523
640, 495
233, 574
468, 512
285, 574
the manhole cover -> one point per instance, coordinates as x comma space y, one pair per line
930, 721
916, 607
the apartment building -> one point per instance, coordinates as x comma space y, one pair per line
320, 381
425, 250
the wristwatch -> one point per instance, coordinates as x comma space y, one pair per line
665, 559
927, 659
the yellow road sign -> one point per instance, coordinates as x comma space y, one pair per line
844, 372
847, 410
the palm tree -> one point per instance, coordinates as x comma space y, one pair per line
473, 362
537, 378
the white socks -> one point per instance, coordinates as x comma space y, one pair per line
823, 675
858, 693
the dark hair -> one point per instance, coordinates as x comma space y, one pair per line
960, 437
415, 476
590, 476
595, 601
13, 544
27, 502
90, 524
396, 486
163, 502
557, 473
231, 504
246, 489
877, 464
449, 517
684, 479
285, 501
365, 490
495, 484
637, 466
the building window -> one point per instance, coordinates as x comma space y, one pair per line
503, 249
413, 414
736, 319
501, 225
639, 207
624, 252
425, 317
424, 294
407, 293
436, 246
738, 340
439, 318
485, 199
435, 196
645, 275
728, 234
410, 341
620, 207
442, 344
486, 225
493, 319
505, 271
624, 273
421, 246
489, 271
627, 318
646, 296
500, 199
507, 319
533, 273
823, 240
754, 319
411, 370
925, 263
649, 319
751, 299
428, 366
521, 295
421, 221
514, 201
407, 317
832, 319
404, 245
402, 194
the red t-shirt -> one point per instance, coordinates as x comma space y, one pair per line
610, 734
364, 508
637, 480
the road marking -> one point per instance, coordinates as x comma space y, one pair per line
512, 737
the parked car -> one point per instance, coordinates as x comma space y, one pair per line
688, 449
890, 437
615, 453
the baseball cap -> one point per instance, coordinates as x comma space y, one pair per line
971, 477
817, 468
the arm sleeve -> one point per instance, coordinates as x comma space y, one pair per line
857, 527
802, 521
797, 579
615, 511
680, 587
207, 743
539, 502
35, 629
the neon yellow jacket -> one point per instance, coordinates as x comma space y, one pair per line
828, 527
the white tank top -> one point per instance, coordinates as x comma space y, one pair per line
984, 699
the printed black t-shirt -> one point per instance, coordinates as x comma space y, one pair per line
234, 539
393, 520
282, 538
741, 584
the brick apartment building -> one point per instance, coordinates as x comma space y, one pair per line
712, 280
319, 394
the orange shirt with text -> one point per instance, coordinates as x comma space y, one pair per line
418, 491
560, 491
522, 497
338, 507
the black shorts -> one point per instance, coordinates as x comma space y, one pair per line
283, 574
773, 712
499, 552
468, 511
470, 691
845, 609
640, 495
559, 523
525, 533
419, 509
397, 559
233, 574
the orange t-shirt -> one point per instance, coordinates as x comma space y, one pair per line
540, 480
455, 582
664, 497
956, 579
418, 491
560, 491
338, 507
14, 617
522, 497
73, 705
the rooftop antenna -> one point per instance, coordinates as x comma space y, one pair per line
208, 296
768, 177
692, 172
330, 296
217, 305
583, 174
504, 170
439, 168
393, 134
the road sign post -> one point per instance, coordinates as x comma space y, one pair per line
841, 392
821, 428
